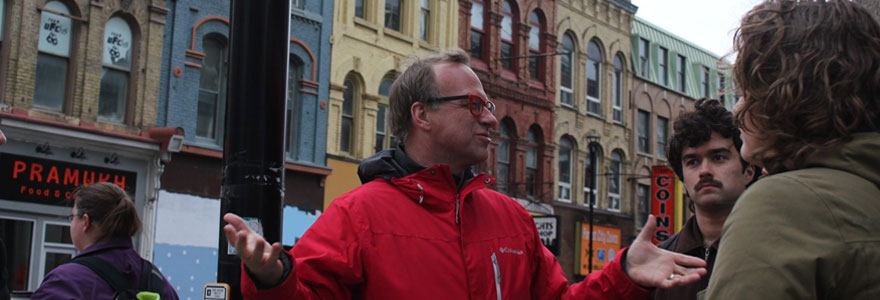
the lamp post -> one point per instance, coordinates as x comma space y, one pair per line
592, 140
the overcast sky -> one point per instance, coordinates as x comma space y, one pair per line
707, 23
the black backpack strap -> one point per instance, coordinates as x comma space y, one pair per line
107, 272
151, 279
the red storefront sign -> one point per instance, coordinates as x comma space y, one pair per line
663, 202
44, 181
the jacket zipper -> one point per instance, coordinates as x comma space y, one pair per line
457, 208
497, 275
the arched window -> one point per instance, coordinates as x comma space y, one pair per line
536, 67
532, 162
594, 78
346, 132
383, 140
617, 89
477, 31
508, 23
212, 89
502, 178
294, 100
564, 169
591, 173
116, 74
53, 57
566, 84
615, 178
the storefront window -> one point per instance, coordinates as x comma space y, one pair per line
17, 236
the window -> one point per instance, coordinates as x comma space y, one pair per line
643, 57
566, 65
2, 14
704, 83
591, 175
383, 141
502, 178
721, 87
392, 14
57, 246
294, 75
346, 133
18, 236
535, 44
682, 73
662, 127
661, 66
299, 4
614, 180
113, 98
617, 89
507, 27
425, 20
643, 193
53, 57
594, 75
477, 29
212, 89
565, 160
532, 164
644, 146
359, 9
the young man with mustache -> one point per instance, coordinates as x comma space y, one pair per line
704, 152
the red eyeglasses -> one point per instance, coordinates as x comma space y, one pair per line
475, 103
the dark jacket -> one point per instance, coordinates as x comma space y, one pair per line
812, 233
688, 241
426, 235
4, 290
75, 281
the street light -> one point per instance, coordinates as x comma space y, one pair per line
591, 145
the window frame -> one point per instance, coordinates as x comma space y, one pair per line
594, 101
533, 144
132, 76
67, 90
351, 117
567, 92
593, 174
643, 200
704, 82
220, 104
362, 11
721, 87
506, 63
615, 176
400, 15
617, 90
481, 30
504, 136
662, 66
565, 186
682, 73
643, 141
536, 23
662, 135
644, 49
294, 98
425, 30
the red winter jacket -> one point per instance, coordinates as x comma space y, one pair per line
420, 237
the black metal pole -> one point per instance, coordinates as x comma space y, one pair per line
253, 154
592, 199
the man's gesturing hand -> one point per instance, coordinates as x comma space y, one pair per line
260, 258
650, 266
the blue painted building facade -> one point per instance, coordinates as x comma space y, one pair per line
192, 96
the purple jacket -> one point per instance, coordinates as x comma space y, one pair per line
75, 281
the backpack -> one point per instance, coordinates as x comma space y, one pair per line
150, 287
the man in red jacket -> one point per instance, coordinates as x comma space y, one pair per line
424, 226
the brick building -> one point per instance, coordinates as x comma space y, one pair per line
192, 96
78, 90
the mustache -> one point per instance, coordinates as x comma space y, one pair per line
707, 181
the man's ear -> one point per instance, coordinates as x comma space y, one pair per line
420, 116
749, 173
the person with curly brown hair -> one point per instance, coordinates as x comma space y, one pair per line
809, 76
704, 152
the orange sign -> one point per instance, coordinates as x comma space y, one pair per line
606, 245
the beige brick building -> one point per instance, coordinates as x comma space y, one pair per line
371, 43
79, 81
593, 100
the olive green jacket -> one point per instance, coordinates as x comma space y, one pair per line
812, 233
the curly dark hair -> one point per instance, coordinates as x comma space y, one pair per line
695, 128
810, 76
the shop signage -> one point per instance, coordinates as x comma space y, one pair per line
44, 181
606, 245
663, 202
548, 230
